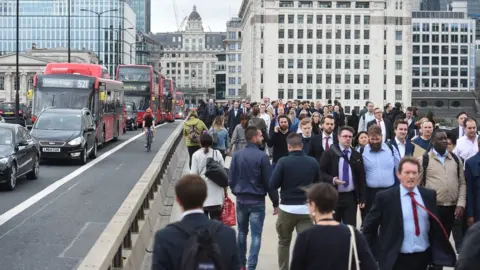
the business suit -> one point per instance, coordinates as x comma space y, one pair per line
388, 128
387, 213
472, 177
316, 149
411, 129
233, 120
170, 243
409, 147
346, 210
456, 132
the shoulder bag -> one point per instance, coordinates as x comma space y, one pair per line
215, 171
353, 254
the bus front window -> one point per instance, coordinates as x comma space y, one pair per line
141, 103
65, 99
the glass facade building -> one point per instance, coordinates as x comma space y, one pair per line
43, 24
142, 10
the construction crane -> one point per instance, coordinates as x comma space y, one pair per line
182, 25
175, 12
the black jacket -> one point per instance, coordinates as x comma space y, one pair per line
388, 127
278, 141
286, 176
170, 243
233, 120
315, 149
329, 169
469, 257
386, 213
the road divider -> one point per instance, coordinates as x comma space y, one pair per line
123, 243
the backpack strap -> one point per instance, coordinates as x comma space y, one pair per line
425, 160
455, 157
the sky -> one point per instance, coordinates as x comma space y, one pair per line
214, 13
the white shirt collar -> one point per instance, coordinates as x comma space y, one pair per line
399, 142
189, 212
325, 135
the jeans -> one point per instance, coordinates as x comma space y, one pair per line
253, 214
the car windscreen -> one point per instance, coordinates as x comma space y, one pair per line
56, 121
7, 106
6, 136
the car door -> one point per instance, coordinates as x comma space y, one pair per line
21, 151
32, 150
89, 135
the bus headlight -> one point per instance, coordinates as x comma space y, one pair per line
76, 141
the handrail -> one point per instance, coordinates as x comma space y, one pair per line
123, 243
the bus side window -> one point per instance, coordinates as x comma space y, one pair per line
109, 105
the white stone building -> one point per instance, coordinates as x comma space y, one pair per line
351, 51
32, 63
233, 49
189, 56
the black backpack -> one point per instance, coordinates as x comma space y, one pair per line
201, 252
425, 161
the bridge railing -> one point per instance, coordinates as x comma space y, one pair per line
124, 242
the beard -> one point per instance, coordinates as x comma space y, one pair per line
376, 146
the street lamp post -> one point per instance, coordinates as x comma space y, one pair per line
99, 15
17, 67
68, 34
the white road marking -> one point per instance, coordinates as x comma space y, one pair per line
82, 230
54, 186
118, 167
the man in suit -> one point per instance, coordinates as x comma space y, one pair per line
171, 241
472, 177
343, 167
410, 119
384, 124
410, 236
460, 131
400, 142
322, 142
233, 118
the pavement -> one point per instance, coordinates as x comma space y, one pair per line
268, 258
45, 229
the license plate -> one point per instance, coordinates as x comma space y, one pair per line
51, 150
9, 113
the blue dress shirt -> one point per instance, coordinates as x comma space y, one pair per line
380, 166
351, 186
411, 242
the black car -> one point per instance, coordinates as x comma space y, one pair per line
66, 134
7, 111
19, 155
131, 110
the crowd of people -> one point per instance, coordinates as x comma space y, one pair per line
413, 183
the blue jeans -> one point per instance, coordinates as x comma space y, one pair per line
253, 214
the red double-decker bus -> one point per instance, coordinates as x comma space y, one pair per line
169, 91
180, 105
142, 86
79, 86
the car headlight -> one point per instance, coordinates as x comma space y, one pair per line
76, 141
3, 160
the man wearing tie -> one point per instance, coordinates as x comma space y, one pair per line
322, 142
459, 131
343, 167
400, 142
410, 235
384, 124
233, 118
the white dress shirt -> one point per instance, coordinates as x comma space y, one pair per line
324, 140
401, 147
466, 148
193, 211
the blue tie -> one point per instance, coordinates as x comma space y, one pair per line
346, 176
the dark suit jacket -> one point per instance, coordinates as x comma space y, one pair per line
388, 127
411, 129
455, 132
472, 177
329, 170
170, 243
233, 120
409, 147
315, 149
386, 212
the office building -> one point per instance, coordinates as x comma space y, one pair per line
142, 11
327, 50
220, 77
189, 56
233, 50
444, 61
43, 23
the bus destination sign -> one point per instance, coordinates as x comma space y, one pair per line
135, 87
65, 83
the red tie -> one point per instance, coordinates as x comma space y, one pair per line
326, 143
415, 216
378, 122
415, 213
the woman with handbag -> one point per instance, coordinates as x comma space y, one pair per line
329, 245
216, 194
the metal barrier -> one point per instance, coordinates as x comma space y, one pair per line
123, 243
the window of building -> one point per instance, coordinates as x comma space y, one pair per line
347, 79
356, 79
290, 63
318, 94
300, 19
328, 78
309, 63
309, 49
366, 94
398, 65
309, 78
291, 19
309, 19
398, 50
319, 33
281, 48
290, 78
338, 78
356, 94
281, 18
347, 94
281, 94
290, 48
398, 35
366, 79
281, 78
290, 94
319, 64
309, 94
366, 34
300, 48
281, 33
299, 93
300, 33
328, 19
319, 19
318, 79
398, 79
299, 78
300, 63
328, 94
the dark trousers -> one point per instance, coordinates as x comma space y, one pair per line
370, 198
446, 215
191, 150
213, 212
459, 230
346, 210
412, 261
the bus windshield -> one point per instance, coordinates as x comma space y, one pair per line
134, 74
141, 102
60, 98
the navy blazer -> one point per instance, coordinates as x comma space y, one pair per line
170, 243
386, 213
409, 147
472, 177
